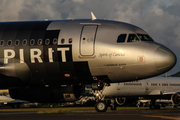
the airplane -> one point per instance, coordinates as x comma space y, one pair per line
158, 103
51, 61
5, 99
147, 89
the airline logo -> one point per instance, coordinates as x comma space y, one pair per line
35, 53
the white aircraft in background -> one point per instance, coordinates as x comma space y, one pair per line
159, 103
153, 89
4, 99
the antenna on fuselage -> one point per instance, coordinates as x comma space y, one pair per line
166, 74
93, 16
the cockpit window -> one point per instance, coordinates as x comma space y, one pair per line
144, 37
132, 38
121, 38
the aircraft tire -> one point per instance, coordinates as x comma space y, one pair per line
101, 106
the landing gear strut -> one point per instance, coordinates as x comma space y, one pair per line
153, 104
113, 104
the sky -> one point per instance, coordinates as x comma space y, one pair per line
159, 18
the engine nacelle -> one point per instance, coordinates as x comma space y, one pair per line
175, 98
51, 94
123, 101
14, 74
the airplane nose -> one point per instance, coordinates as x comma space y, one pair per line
164, 59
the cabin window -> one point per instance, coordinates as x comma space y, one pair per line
70, 40
121, 38
17, 42
24, 42
145, 37
164, 84
39, 41
2, 42
47, 42
55, 41
132, 84
9, 43
32, 42
132, 38
174, 84
62, 41
153, 84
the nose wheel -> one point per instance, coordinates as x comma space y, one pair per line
101, 106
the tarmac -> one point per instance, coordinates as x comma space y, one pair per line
88, 113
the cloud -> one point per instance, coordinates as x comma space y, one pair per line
9, 10
160, 18
36, 10
79, 1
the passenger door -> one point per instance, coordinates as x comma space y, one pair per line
87, 40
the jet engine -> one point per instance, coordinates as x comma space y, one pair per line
175, 98
124, 101
14, 74
48, 94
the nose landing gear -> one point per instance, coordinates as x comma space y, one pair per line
101, 105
